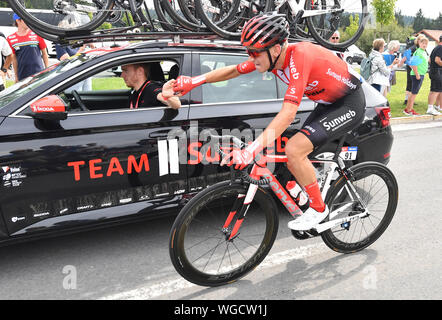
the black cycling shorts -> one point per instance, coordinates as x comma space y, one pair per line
330, 121
436, 80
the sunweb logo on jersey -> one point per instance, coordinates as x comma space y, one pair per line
339, 121
293, 71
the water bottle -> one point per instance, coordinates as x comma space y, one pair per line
298, 194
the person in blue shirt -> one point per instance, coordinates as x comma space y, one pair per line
389, 56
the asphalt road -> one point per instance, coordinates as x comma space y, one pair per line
132, 261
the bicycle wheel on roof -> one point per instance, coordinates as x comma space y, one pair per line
324, 17
61, 17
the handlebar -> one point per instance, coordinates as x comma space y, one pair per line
240, 145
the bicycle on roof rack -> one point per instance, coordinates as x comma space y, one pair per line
308, 19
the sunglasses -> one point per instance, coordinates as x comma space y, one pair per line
254, 53
335, 38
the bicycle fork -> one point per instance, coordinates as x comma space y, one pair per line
240, 207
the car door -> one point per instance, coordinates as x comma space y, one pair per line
243, 107
94, 166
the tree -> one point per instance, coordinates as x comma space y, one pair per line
437, 24
400, 18
384, 11
420, 22
351, 29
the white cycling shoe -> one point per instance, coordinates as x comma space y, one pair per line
309, 219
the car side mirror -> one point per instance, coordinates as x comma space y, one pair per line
48, 108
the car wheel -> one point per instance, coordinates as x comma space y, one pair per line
349, 60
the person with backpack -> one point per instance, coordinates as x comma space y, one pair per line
379, 72
6, 60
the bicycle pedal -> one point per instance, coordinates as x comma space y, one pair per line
303, 235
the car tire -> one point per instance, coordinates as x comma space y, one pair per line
349, 60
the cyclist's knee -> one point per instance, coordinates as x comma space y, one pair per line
298, 147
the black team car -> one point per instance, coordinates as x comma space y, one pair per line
73, 159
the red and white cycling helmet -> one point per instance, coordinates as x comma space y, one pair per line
265, 30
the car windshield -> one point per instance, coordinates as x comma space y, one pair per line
24, 86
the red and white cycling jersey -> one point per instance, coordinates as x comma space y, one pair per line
316, 72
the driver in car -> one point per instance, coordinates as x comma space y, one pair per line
147, 93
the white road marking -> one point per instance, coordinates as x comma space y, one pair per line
166, 287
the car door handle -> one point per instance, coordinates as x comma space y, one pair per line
155, 135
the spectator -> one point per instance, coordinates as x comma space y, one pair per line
29, 54
412, 45
380, 73
417, 74
434, 97
438, 103
147, 93
335, 38
5, 61
66, 52
389, 56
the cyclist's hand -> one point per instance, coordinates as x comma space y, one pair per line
184, 84
241, 159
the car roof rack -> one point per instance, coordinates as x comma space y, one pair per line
126, 34
176, 37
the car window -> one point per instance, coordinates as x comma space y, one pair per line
248, 87
107, 90
26, 85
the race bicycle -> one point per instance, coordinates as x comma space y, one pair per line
317, 19
309, 19
227, 230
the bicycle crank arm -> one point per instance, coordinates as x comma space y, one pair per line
312, 13
333, 223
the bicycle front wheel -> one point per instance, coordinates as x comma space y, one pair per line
63, 17
199, 244
347, 16
377, 189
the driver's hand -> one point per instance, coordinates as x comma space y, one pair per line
167, 91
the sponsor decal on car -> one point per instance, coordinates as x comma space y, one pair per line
12, 176
98, 169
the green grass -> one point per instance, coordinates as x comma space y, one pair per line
98, 84
108, 84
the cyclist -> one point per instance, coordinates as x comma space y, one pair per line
307, 69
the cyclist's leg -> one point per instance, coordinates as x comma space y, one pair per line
297, 150
325, 123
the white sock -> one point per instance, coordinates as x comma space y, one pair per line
430, 107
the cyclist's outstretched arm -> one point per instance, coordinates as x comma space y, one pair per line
184, 84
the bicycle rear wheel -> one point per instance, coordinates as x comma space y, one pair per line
173, 9
378, 189
199, 247
63, 17
324, 25
225, 17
